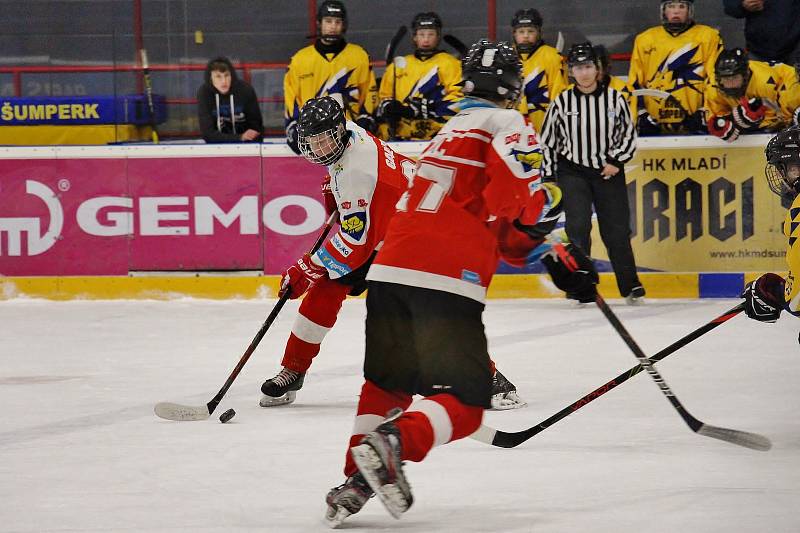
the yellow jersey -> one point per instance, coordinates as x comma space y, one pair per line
765, 82
434, 79
312, 74
791, 229
677, 64
544, 76
789, 92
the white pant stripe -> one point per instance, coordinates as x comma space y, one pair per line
366, 423
308, 331
438, 417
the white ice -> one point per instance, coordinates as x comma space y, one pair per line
80, 448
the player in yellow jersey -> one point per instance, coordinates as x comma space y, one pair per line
333, 67
609, 80
417, 90
745, 95
675, 57
767, 296
543, 72
789, 94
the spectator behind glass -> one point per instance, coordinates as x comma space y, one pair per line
227, 107
771, 27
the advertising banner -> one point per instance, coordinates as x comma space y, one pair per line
80, 110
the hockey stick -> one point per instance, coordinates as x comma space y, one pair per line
740, 438
457, 44
174, 411
148, 91
391, 50
505, 439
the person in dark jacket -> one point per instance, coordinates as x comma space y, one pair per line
227, 107
771, 28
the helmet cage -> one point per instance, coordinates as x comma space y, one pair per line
323, 148
676, 27
782, 151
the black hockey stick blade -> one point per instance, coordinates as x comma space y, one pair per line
187, 413
504, 439
733, 436
391, 48
456, 43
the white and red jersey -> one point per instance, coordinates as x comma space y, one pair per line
483, 164
366, 182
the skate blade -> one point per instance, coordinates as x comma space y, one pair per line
335, 516
274, 401
391, 496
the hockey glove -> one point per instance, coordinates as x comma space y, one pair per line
696, 123
763, 298
647, 125
572, 271
749, 113
299, 277
394, 110
549, 213
367, 122
724, 128
291, 137
420, 108
327, 196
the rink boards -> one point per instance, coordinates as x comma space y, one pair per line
221, 221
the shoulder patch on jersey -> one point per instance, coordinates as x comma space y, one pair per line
530, 160
354, 224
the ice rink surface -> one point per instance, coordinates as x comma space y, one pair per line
80, 448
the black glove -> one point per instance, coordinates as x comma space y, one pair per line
420, 108
367, 122
572, 271
647, 125
394, 110
763, 298
291, 137
696, 123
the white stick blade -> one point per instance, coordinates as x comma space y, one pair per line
180, 413
740, 438
484, 434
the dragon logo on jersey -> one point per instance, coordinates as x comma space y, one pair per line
337, 84
678, 71
530, 160
536, 93
354, 224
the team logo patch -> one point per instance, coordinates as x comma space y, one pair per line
471, 277
340, 246
530, 160
354, 224
362, 202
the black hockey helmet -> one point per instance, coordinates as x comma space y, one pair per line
526, 17
784, 150
581, 53
603, 57
729, 63
428, 20
492, 71
321, 132
332, 8
676, 28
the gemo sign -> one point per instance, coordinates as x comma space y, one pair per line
153, 216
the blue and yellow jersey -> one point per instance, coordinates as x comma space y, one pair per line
678, 64
434, 79
347, 74
544, 76
765, 83
789, 92
791, 228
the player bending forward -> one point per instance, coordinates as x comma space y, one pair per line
367, 179
427, 285
767, 296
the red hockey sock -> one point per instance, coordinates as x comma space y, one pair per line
316, 316
434, 421
373, 405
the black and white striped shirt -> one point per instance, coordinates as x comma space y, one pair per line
588, 129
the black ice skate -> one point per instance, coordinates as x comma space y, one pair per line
504, 394
282, 389
346, 499
636, 296
378, 460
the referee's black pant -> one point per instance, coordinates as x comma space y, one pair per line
583, 187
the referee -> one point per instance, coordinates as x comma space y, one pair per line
588, 136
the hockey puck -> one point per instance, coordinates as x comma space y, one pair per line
227, 415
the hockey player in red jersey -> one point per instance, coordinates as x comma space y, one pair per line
427, 284
367, 179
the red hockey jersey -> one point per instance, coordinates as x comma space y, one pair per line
366, 182
483, 164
